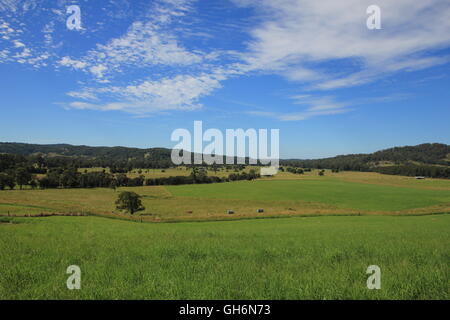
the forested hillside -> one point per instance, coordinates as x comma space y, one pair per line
432, 160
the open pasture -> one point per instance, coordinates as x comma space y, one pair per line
286, 194
309, 252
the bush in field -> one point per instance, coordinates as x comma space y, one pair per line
129, 201
295, 170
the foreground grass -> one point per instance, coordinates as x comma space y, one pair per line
287, 258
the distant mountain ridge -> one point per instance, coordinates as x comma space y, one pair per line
78, 151
428, 153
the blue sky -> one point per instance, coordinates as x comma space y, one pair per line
139, 69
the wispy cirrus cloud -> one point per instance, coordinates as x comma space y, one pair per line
306, 40
311, 106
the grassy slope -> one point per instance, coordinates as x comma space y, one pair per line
293, 258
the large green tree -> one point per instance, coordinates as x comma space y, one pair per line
129, 201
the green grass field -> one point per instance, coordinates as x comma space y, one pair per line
286, 194
340, 194
286, 258
318, 237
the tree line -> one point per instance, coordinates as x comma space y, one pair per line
199, 177
72, 178
413, 170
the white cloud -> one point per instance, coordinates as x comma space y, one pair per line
85, 94
316, 104
18, 50
144, 46
69, 62
181, 92
18, 44
3, 55
298, 116
81, 105
17, 5
147, 43
311, 107
8, 5
98, 70
24, 54
299, 39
